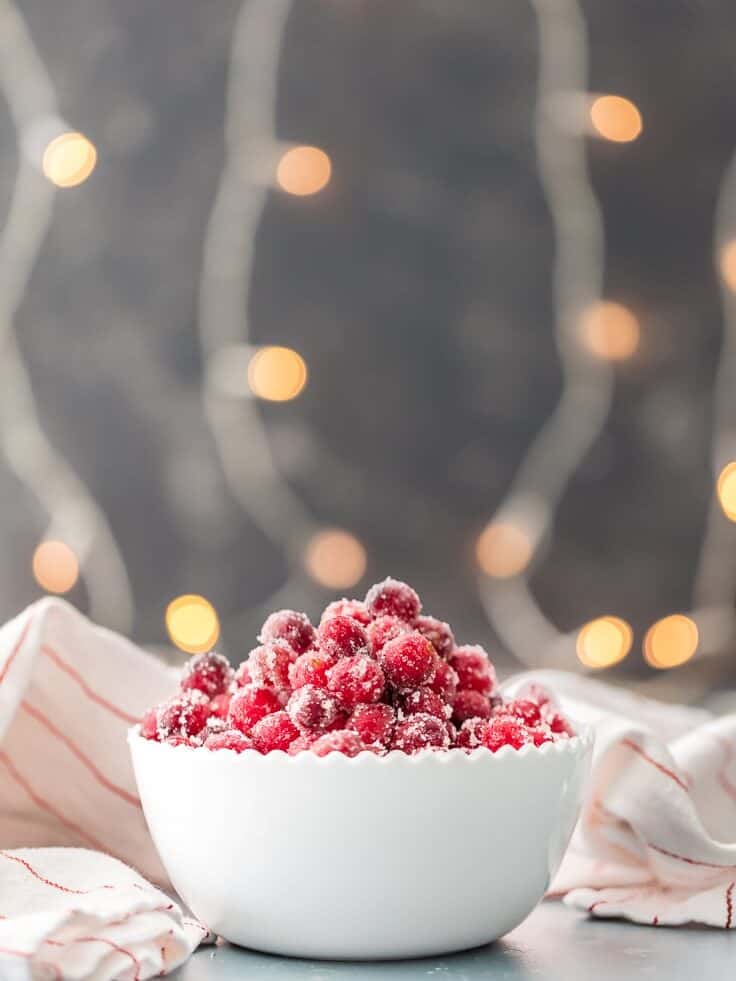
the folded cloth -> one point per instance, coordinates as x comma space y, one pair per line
69, 690
656, 842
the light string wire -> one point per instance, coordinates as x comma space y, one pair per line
74, 514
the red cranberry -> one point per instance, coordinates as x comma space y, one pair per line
340, 721
525, 710
312, 708
250, 705
424, 700
343, 741
347, 608
310, 669
214, 724
270, 663
273, 732
179, 741
220, 706
535, 692
542, 734
149, 725
395, 598
420, 731
373, 723
472, 732
229, 739
382, 630
300, 744
354, 680
445, 681
342, 637
408, 661
438, 633
242, 677
503, 731
209, 673
183, 715
289, 626
473, 668
558, 724
468, 704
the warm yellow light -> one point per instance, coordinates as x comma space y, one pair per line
192, 623
69, 159
728, 264
335, 558
303, 170
55, 567
604, 642
616, 118
671, 641
503, 550
610, 331
277, 374
726, 489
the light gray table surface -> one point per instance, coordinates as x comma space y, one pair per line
554, 944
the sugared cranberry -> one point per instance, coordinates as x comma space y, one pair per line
505, 731
183, 715
311, 708
541, 734
300, 744
344, 741
373, 723
292, 627
347, 608
474, 670
229, 739
420, 731
342, 637
468, 703
423, 700
444, 681
382, 630
209, 673
177, 740
408, 661
310, 669
275, 731
395, 598
220, 705
355, 680
471, 733
525, 710
558, 724
242, 677
250, 705
149, 725
535, 692
438, 633
214, 724
270, 663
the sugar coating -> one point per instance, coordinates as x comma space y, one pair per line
292, 627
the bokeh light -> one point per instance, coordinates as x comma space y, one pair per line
69, 159
615, 118
728, 264
503, 550
726, 490
303, 170
335, 558
671, 641
603, 642
55, 567
610, 331
277, 374
192, 623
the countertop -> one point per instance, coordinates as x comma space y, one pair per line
553, 944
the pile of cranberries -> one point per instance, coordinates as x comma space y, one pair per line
375, 675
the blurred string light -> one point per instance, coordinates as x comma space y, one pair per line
303, 170
277, 374
75, 518
603, 642
671, 641
69, 159
192, 623
55, 567
503, 550
728, 264
615, 118
610, 331
335, 559
726, 488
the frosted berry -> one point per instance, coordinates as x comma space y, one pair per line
354, 680
270, 663
525, 710
408, 661
474, 670
395, 598
177, 740
249, 705
382, 630
183, 715
300, 744
149, 725
220, 705
292, 627
558, 724
438, 633
445, 681
542, 734
209, 673
423, 700
374, 724
472, 732
275, 731
310, 669
342, 637
311, 708
229, 739
343, 741
503, 731
535, 692
347, 608
242, 677
214, 724
420, 731
468, 704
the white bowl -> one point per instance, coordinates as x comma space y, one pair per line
364, 858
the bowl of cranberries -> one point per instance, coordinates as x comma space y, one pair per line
360, 789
